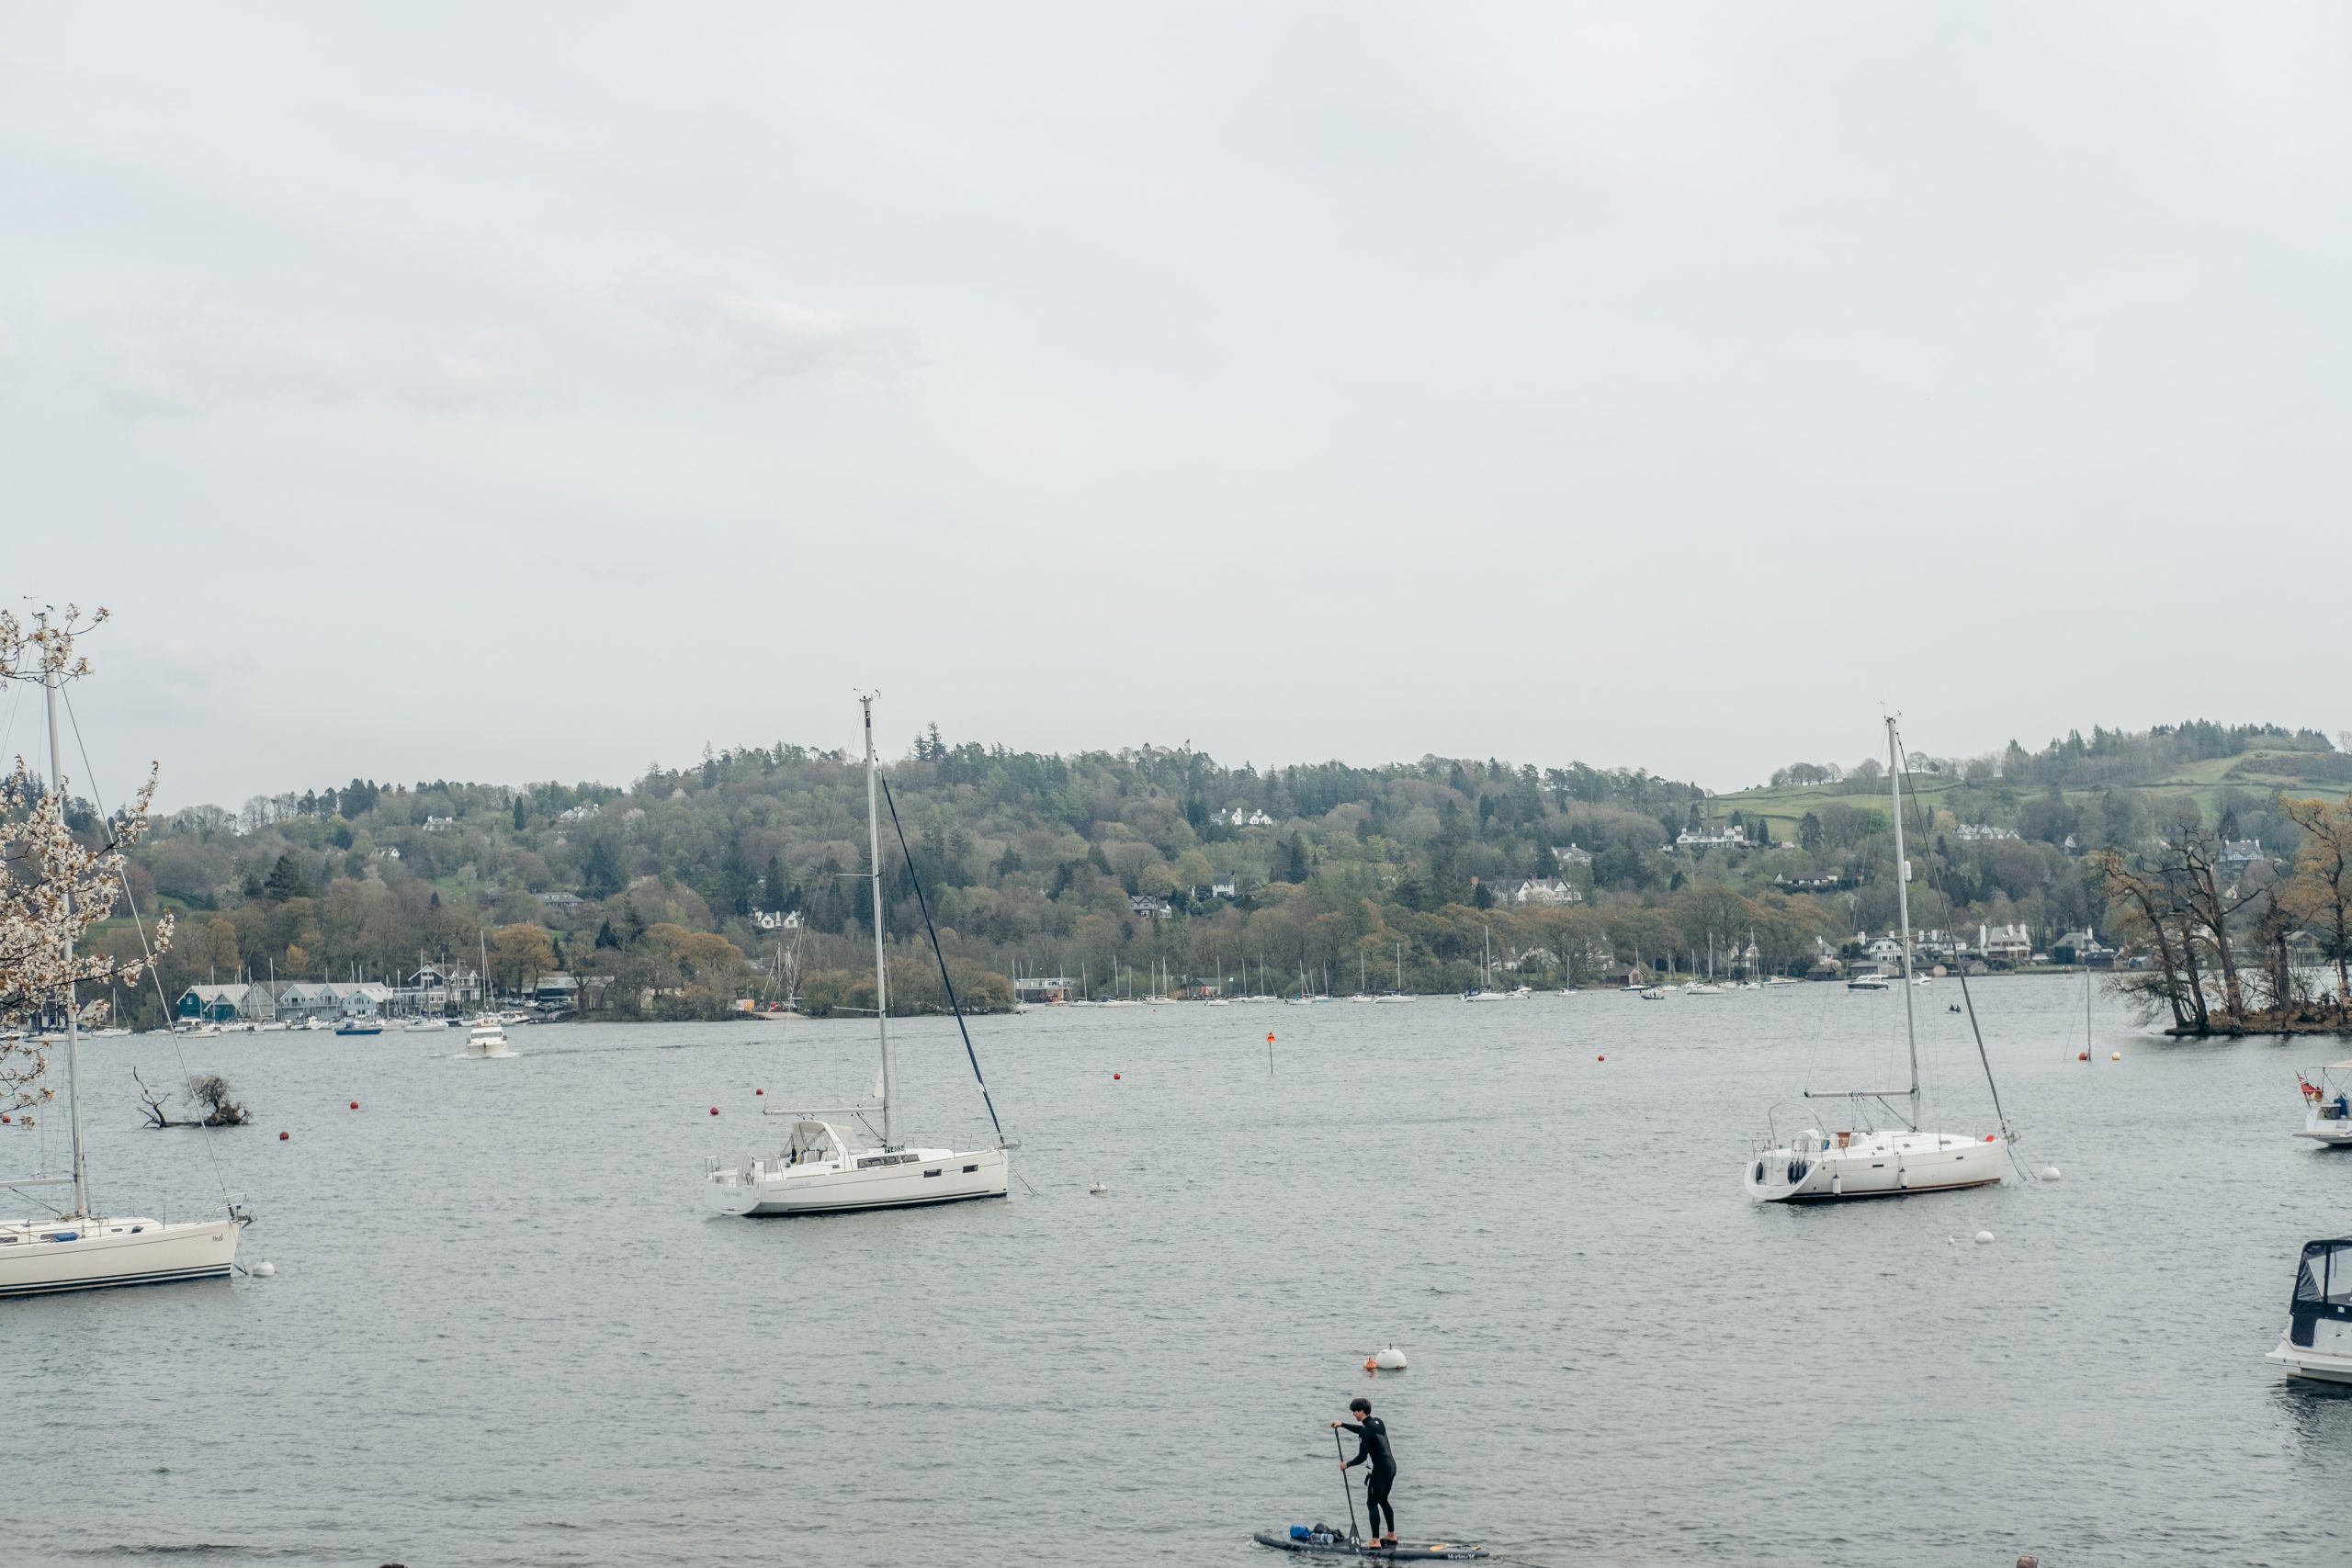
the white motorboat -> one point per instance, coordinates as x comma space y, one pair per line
487, 1038
2327, 1119
425, 1025
1651, 994
822, 1168
84, 1249
2317, 1346
1868, 983
1860, 1160
1701, 988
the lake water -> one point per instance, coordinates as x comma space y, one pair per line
503, 1331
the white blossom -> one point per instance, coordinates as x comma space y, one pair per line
54, 886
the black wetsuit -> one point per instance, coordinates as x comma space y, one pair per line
1374, 1451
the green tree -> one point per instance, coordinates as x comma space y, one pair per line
287, 879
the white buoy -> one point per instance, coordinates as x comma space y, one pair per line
2115, 1055
1391, 1359
1984, 1237
1100, 1189
262, 1270
2049, 1173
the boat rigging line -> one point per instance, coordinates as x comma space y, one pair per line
147, 952
1968, 998
924, 905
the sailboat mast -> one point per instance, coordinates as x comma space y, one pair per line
881, 971
73, 1012
1903, 909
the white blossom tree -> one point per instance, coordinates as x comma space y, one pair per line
54, 885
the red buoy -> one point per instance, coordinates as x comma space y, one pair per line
2081, 1056
1115, 1078
759, 1091
283, 1136
355, 1105
1600, 1058
714, 1111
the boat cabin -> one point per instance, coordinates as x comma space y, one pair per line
2322, 1304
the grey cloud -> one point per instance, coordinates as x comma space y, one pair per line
185, 366
750, 337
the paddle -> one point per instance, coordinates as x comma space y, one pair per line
1344, 1492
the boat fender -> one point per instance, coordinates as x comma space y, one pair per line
1837, 1184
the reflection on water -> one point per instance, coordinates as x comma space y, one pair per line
504, 1330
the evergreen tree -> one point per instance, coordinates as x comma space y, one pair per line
288, 880
521, 821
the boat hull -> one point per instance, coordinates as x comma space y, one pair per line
2312, 1365
109, 1253
2328, 1132
772, 1190
1877, 1166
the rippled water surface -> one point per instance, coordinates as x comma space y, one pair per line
502, 1330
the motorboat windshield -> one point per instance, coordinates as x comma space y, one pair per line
2322, 1284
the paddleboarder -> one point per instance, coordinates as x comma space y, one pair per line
1373, 1451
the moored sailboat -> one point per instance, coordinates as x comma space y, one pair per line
824, 1168
82, 1249
1862, 1160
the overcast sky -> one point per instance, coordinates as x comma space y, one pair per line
509, 393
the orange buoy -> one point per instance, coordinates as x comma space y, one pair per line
2081, 1056
1371, 1364
1988, 1137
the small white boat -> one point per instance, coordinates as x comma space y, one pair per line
424, 1025
487, 1038
1868, 983
2317, 1346
360, 1026
2327, 1119
1701, 988
1652, 994
1394, 999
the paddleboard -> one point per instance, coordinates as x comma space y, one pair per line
1282, 1541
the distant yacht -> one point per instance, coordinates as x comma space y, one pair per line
487, 1039
823, 1168
1864, 1161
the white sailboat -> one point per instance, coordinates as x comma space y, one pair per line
823, 1168
1400, 995
83, 1249
486, 1036
1862, 1160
